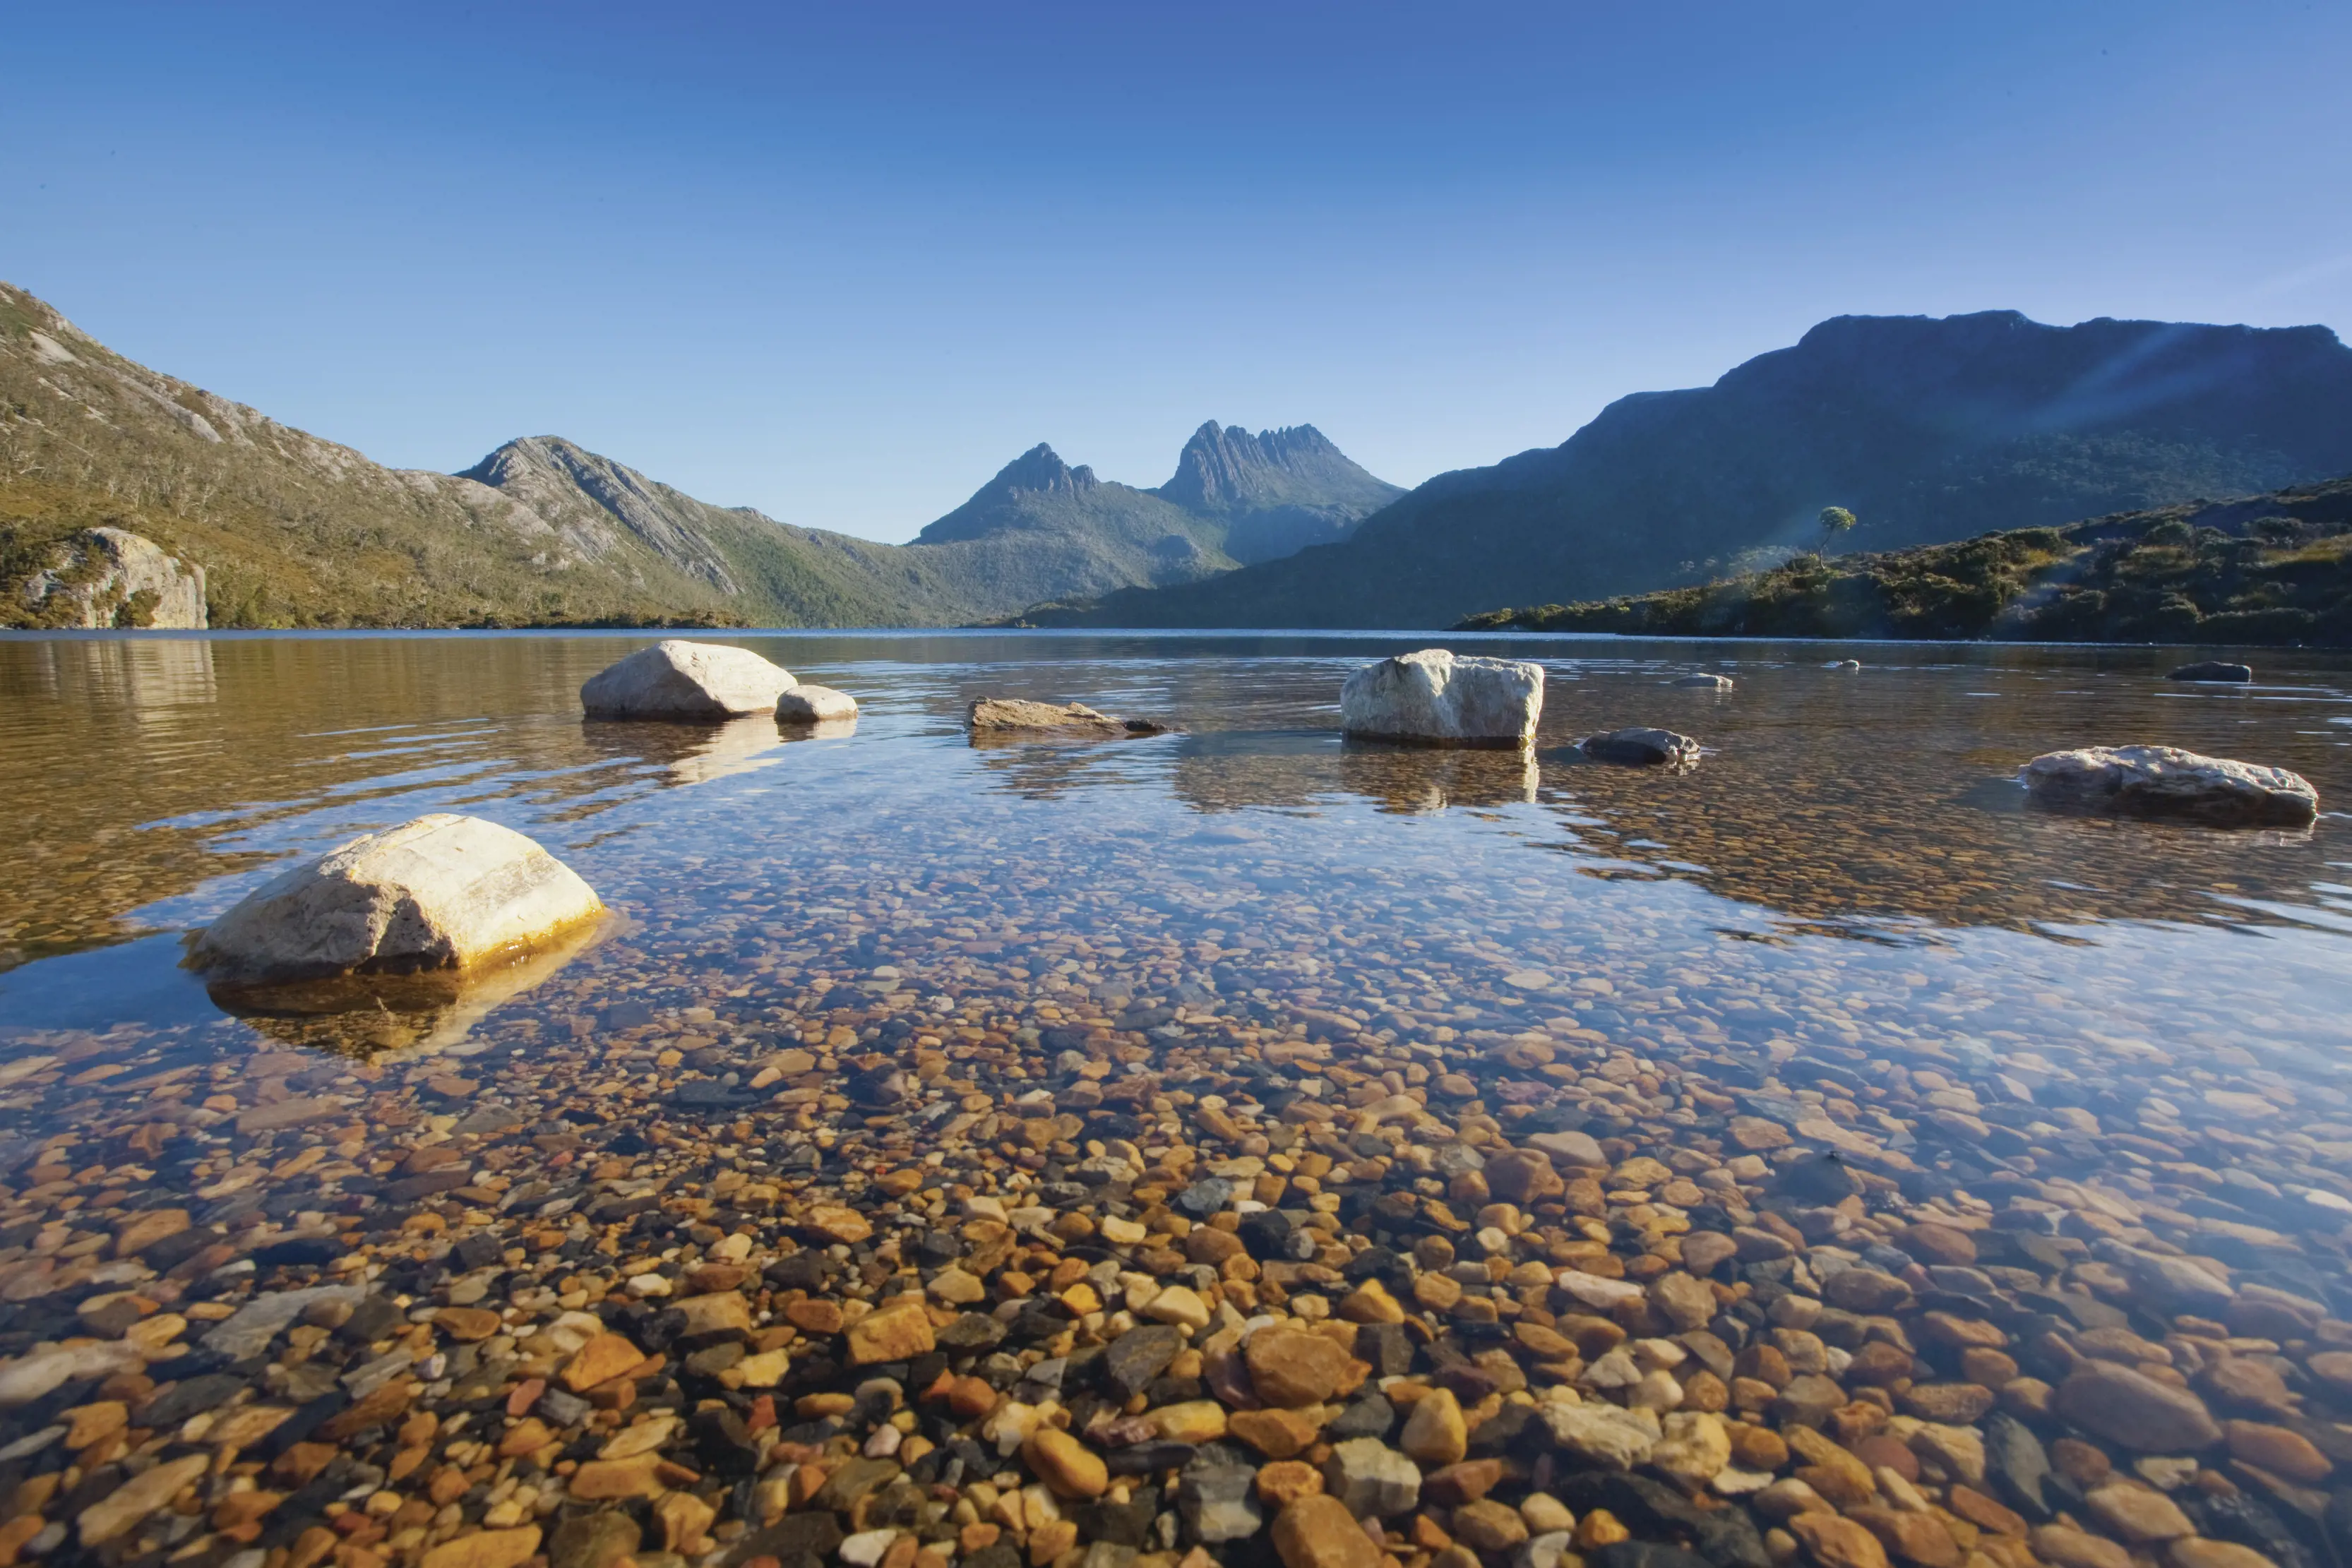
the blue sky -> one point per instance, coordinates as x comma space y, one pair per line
842, 262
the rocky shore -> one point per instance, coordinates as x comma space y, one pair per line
1155, 1287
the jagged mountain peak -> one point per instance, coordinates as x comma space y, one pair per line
1041, 468
1225, 468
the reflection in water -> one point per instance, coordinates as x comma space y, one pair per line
1236, 770
139, 770
428, 1013
689, 753
149, 780
1044, 764
139, 675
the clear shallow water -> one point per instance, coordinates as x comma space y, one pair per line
862, 980
1851, 870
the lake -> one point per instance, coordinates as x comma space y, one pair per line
883, 948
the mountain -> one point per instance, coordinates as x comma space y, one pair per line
2273, 569
292, 530
1277, 492
1041, 520
288, 529
1929, 429
761, 570
1041, 524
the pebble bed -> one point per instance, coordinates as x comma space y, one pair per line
1217, 1147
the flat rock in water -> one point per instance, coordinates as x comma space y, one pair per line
999, 715
1703, 683
1603, 1435
248, 1333
1641, 747
2213, 670
2135, 1410
442, 892
2165, 781
1435, 698
26, 1380
814, 704
137, 1498
679, 680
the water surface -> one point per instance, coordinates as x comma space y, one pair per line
1853, 870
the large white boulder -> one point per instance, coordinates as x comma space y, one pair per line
2165, 781
1434, 699
443, 892
677, 679
110, 577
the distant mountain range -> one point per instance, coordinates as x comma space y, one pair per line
1236, 498
291, 530
1931, 430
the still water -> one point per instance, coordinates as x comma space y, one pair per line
1851, 869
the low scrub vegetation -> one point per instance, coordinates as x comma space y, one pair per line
2275, 570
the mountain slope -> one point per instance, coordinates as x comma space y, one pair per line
2273, 569
764, 570
1930, 428
295, 531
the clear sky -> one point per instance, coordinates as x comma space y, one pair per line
841, 262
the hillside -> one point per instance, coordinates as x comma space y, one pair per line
289, 529
292, 530
1930, 428
761, 571
2273, 569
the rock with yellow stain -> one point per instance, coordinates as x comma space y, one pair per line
895, 1334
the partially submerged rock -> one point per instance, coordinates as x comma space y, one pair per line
814, 704
2165, 781
2213, 670
1843, 664
1435, 698
1642, 748
442, 892
1703, 683
1015, 716
676, 679
362, 1015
